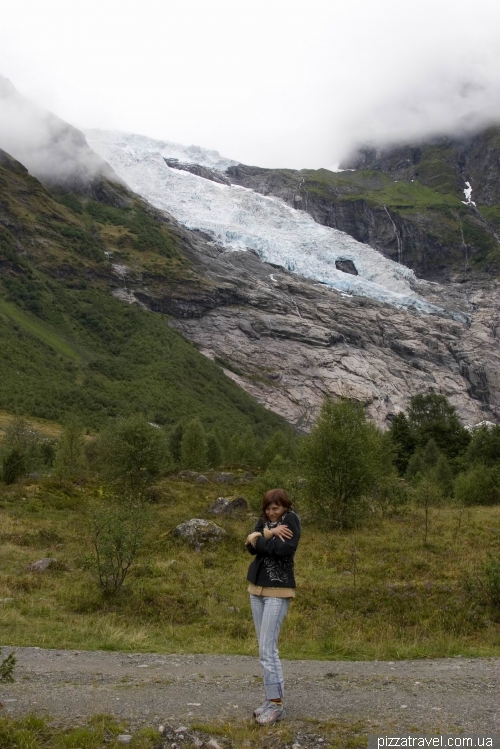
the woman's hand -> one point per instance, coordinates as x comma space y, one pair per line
282, 532
252, 538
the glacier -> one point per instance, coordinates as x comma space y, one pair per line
237, 218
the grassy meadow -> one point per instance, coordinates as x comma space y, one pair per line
376, 592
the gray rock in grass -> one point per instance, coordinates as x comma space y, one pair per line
42, 565
199, 533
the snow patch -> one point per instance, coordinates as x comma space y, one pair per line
468, 195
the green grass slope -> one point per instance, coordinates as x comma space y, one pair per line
67, 345
428, 211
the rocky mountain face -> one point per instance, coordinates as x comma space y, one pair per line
472, 157
286, 340
406, 201
290, 342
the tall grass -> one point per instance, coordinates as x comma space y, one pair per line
406, 599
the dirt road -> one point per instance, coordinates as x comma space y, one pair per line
430, 695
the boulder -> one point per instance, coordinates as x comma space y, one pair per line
199, 533
346, 266
42, 564
219, 506
224, 478
238, 504
202, 479
188, 475
226, 506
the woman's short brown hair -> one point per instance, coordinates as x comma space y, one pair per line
275, 496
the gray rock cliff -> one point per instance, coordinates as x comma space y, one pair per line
290, 342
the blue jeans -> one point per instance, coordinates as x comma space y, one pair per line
268, 614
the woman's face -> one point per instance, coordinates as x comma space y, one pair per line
274, 511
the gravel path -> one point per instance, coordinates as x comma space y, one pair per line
436, 695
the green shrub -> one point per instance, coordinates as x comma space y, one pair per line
485, 446
117, 534
342, 460
491, 580
390, 495
70, 458
71, 202
427, 495
478, 486
280, 473
403, 441
194, 446
21, 451
7, 667
134, 453
430, 416
214, 451
14, 466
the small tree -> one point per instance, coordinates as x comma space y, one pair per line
70, 458
427, 495
490, 580
280, 473
431, 416
214, 451
175, 441
194, 446
20, 450
390, 495
416, 468
485, 446
250, 449
14, 466
134, 453
117, 534
280, 443
403, 441
430, 455
342, 460
244, 449
442, 476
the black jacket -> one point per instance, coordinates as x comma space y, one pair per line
273, 563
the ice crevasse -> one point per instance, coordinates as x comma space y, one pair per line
238, 218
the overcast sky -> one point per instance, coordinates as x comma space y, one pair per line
270, 82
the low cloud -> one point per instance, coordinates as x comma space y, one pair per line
49, 148
281, 83
441, 101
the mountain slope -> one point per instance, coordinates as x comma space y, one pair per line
289, 340
69, 345
85, 270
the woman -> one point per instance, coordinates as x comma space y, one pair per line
272, 586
